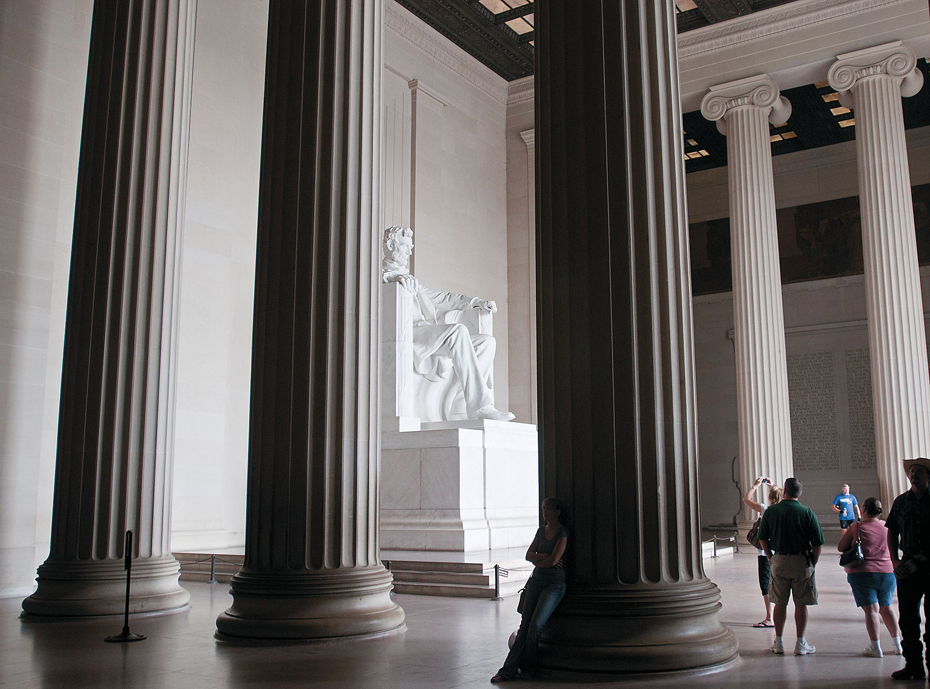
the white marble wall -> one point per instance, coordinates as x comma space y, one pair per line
218, 276
822, 315
43, 63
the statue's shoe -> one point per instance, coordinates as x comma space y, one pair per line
493, 414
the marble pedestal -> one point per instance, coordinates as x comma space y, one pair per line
459, 486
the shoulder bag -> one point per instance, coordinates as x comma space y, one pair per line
753, 536
853, 556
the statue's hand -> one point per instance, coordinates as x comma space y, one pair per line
407, 281
486, 305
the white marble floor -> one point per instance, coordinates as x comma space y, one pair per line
448, 643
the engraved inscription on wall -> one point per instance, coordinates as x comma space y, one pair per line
861, 419
812, 394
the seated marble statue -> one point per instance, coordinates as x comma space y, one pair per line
438, 343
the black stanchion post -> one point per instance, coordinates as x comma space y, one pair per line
497, 583
126, 635
213, 570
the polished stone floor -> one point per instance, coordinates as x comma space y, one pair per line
448, 643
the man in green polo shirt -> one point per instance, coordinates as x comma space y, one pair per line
791, 537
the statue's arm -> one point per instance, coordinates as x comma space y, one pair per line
450, 301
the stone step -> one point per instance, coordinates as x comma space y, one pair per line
457, 579
484, 580
440, 566
456, 591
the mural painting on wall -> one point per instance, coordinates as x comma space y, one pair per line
815, 241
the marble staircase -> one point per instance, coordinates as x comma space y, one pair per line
473, 579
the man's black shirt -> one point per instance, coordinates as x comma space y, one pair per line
910, 518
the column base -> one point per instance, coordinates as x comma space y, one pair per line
91, 588
604, 635
309, 606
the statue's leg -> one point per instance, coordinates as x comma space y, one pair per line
457, 345
485, 351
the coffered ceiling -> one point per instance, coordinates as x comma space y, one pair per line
500, 33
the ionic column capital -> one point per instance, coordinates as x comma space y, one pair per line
759, 92
894, 60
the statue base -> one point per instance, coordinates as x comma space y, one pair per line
459, 486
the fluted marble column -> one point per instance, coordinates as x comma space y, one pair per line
871, 82
743, 110
116, 418
616, 375
312, 567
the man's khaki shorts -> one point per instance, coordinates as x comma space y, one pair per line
792, 575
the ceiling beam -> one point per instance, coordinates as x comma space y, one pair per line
721, 10
515, 13
470, 25
690, 19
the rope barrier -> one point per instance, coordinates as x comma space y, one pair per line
213, 559
727, 539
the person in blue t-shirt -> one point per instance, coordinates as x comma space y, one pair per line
846, 505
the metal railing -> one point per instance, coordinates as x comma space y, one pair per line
504, 573
734, 539
213, 560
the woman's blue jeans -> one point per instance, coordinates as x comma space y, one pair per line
541, 600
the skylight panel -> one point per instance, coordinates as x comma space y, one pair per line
496, 6
519, 26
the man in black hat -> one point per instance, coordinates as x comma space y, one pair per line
909, 529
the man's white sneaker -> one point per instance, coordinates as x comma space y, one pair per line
895, 651
872, 653
802, 648
778, 647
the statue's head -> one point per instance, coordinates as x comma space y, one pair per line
398, 245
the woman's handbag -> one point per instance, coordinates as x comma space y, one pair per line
853, 556
522, 601
753, 536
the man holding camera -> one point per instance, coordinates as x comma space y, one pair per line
792, 538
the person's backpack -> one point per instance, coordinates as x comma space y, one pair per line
753, 536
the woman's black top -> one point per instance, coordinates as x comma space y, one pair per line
549, 575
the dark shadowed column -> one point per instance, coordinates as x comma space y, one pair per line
116, 416
312, 567
617, 404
